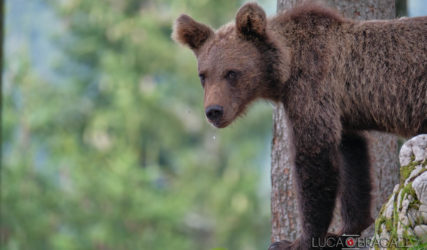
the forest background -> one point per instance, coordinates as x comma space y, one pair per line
105, 144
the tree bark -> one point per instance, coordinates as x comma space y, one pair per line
383, 147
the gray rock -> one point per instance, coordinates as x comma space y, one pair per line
417, 147
384, 233
396, 188
406, 210
399, 197
421, 232
422, 212
414, 173
403, 212
423, 217
413, 216
420, 186
423, 208
389, 207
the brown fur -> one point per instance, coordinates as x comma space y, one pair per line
335, 77
189, 32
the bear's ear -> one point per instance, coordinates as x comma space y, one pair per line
251, 21
191, 33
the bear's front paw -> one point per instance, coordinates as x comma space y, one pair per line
281, 245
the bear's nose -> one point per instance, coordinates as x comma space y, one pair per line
214, 113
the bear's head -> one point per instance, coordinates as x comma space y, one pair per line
237, 64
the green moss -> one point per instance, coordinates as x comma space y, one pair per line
405, 171
410, 240
378, 222
415, 204
383, 207
422, 171
391, 224
420, 246
407, 190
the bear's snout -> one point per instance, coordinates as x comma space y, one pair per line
214, 113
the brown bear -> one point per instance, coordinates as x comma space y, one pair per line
335, 78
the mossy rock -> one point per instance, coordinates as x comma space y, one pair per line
401, 221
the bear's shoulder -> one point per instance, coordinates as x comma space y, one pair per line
312, 14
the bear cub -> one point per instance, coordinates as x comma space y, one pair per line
335, 78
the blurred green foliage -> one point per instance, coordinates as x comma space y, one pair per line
116, 153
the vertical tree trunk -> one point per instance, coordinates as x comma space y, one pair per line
383, 147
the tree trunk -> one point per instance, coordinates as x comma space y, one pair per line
383, 147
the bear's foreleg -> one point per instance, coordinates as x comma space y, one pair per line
317, 174
317, 183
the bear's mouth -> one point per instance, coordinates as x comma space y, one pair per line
228, 119
220, 124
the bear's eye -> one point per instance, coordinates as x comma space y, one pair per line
231, 76
202, 79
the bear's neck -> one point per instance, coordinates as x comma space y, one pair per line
276, 66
